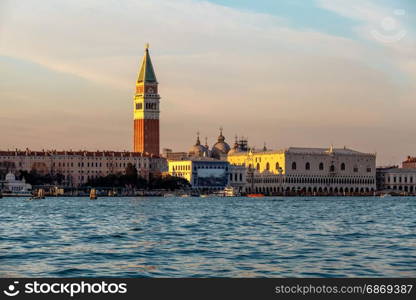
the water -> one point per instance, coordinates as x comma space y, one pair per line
206, 237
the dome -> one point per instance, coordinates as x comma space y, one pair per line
220, 147
10, 177
198, 149
234, 149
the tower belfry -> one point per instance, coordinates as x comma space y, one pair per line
146, 108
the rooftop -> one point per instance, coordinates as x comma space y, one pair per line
304, 150
28, 152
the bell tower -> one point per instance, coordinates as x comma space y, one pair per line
146, 108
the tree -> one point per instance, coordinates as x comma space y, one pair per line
168, 183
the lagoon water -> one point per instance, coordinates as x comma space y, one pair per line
208, 237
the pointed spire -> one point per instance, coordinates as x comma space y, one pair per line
206, 142
221, 138
264, 147
146, 73
198, 142
236, 142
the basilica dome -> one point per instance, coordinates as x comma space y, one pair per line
198, 149
220, 148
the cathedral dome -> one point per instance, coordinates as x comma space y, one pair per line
10, 177
220, 147
198, 149
234, 149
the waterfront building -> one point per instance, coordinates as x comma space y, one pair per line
397, 180
238, 179
77, 167
14, 186
209, 174
307, 170
146, 109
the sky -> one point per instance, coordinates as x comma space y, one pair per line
304, 73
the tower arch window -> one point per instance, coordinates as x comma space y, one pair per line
332, 168
267, 166
139, 105
258, 167
342, 167
277, 166
307, 166
294, 165
321, 166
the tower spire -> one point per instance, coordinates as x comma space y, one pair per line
146, 73
198, 142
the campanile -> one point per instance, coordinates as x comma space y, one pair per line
146, 108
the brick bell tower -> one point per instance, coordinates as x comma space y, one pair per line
146, 108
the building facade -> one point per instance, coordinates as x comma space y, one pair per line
14, 186
77, 167
397, 180
146, 109
209, 174
308, 171
204, 174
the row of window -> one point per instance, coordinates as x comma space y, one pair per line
139, 106
97, 165
405, 179
234, 177
308, 167
312, 180
181, 168
352, 190
410, 189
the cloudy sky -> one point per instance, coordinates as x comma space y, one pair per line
289, 72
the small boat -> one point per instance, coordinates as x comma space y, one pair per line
93, 194
230, 192
255, 195
385, 195
111, 193
39, 194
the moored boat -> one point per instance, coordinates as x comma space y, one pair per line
93, 194
255, 195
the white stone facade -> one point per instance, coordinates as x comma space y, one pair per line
309, 171
397, 180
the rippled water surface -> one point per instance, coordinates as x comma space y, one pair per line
204, 237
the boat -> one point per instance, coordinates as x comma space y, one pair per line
385, 195
93, 194
255, 195
111, 193
229, 191
39, 194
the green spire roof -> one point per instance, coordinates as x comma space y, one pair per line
147, 74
